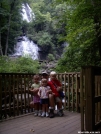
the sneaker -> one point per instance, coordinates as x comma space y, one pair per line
36, 113
39, 113
51, 114
43, 114
60, 113
47, 115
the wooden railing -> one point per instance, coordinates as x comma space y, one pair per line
15, 96
90, 99
71, 88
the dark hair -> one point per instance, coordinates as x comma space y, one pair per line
44, 74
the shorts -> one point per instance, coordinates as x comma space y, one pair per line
45, 101
58, 99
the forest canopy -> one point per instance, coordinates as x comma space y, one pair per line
76, 23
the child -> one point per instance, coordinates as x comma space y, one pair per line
51, 97
56, 87
44, 91
34, 90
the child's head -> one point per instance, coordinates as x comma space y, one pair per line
44, 82
36, 78
53, 75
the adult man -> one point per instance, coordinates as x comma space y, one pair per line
56, 88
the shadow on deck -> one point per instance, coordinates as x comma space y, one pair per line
68, 124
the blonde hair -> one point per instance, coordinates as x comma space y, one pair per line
44, 80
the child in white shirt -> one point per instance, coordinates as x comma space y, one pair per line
44, 91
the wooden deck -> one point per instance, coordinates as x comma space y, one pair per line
68, 124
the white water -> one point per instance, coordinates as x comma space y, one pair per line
27, 13
26, 48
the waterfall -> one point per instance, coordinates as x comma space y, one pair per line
27, 13
25, 47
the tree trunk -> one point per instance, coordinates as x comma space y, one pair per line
9, 21
7, 35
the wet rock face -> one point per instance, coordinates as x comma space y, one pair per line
47, 65
20, 38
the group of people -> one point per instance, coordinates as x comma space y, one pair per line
46, 94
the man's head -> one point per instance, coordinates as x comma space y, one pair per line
45, 75
53, 75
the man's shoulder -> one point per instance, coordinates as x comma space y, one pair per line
48, 83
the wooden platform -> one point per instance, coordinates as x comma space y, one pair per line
68, 124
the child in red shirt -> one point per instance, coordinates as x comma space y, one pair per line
56, 87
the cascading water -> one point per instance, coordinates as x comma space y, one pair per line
27, 13
24, 46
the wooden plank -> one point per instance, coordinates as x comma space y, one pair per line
5, 90
99, 94
21, 94
96, 104
25, 93
82, 99
72, 92
76, 88
0, 96
17, 79
70, 123
65, 90
14, 95
10, 96
90, 105
68, 92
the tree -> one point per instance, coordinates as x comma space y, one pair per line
10, 16
82, 33
42, 30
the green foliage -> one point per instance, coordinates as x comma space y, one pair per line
82, 35
51, 57
10, 23
43, 28
76, 22
19, 65
45, 39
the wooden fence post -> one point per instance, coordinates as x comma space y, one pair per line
0, 96
90, 104
81, 101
